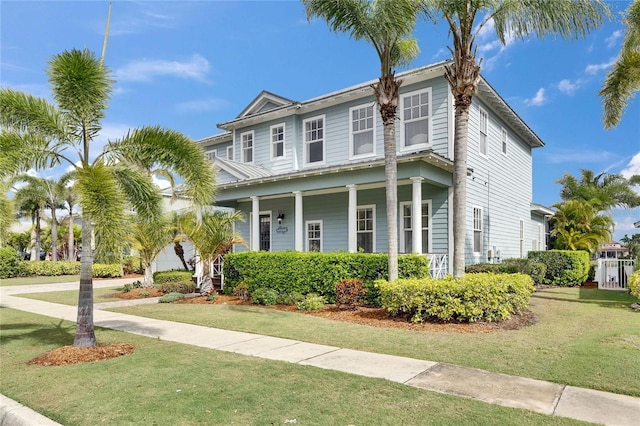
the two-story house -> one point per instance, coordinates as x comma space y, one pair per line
310, 175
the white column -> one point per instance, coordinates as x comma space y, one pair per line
299, 222
353, 218
416, 215
255, 224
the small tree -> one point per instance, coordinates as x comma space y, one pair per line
150, 238
578, 226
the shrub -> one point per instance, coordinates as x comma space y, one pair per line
171, 297
474, 297
493, 268
241, 291
264, 296
132, 265
295, 272
144, 294
137, 284
211, 296
162, 277
183, 287
9, 260
535, 270
48, 268
634, 284
290, 298
565, 268
312, 302
104, 270
126, 288
349, 292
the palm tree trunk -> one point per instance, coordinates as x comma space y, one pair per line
70, 238
147, 282
85, 335
179, 250
38, 237
54, 235
460, 189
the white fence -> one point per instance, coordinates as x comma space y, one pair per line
438, 265
613, 274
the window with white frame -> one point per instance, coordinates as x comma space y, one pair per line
247, 147
314, 235
230, 152
477, 230
416, 114
504, 141
314, 140
362, 125
365, 230
484, 118
521, 238
277, 141
406, 233
210, 155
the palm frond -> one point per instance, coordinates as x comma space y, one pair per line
22, 112
139, 191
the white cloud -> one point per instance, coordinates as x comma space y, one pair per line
195, 68
633, 168
538, 100
568, 87
109, 132
211, 104
623, 222
595, 68
611, 40
161, 183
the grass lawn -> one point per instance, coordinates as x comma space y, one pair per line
6, 282
170, 383
70, 297
584, 337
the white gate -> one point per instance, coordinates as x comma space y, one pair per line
613, 274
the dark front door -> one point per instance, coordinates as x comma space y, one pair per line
265, 232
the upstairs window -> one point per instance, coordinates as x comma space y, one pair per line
484, 118
314, 140
277, 141
416, 114
247, 147
230, 152
477, 230
362, 131
504, 141
210, 155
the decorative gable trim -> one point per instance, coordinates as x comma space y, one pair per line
265, 101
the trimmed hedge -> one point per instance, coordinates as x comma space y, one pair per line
474, 297
184, 287
565, 268
634, 284
535, 270
162, 277
48, 268
9, 260
107, 270
492, 268
304, 273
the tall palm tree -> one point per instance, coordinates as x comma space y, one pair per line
31, 201
516, 18
70, 198
38, 134
578, 226
388, 26
604, 191
623, 81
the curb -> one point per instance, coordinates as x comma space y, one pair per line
13, 413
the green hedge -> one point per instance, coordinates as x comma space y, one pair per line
107, 270
535, 270
162, 277
48, 268
565, 268
474, 297
634, 284
184, 287
9, 260
493, 268
304, 273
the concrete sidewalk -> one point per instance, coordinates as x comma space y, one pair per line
510, 391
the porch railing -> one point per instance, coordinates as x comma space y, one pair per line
438, 265
613, 274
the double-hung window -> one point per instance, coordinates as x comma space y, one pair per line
210, 155
366, 228
484, 118
504, 141
416, 117
477, 230
230, 152
277, 141
314, 235
247, 147
314, 140
362, 124
406, 235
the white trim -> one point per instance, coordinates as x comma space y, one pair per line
504, 139
352, 155
244, 149
474, 229
373, 231
419, 146
230, 152
305, 142
540, 237
451, 131
306, 229
283, 141
482, 112
261, 213
521, 234
211, 154
429, 203
450, 228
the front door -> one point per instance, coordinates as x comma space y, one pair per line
265, 232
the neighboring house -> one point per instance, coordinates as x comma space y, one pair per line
612, 250
309, 176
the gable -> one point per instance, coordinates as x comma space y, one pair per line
265, 101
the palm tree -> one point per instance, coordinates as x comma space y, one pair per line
70, 198
31, 201
387, 25
150, 238
7, 216
578, 226
517, 18
623, 81
39, 134
604, 191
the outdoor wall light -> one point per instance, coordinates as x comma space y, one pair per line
280, 217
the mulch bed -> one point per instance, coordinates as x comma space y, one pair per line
72, 355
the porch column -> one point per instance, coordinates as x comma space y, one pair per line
299, 222
353, 218
255, 224
416, 215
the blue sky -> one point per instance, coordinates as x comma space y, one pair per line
190, 65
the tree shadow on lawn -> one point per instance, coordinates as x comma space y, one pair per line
53, 334
604, 298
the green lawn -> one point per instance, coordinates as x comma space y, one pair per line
174, 384
70, 297
6, 282
588, 338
